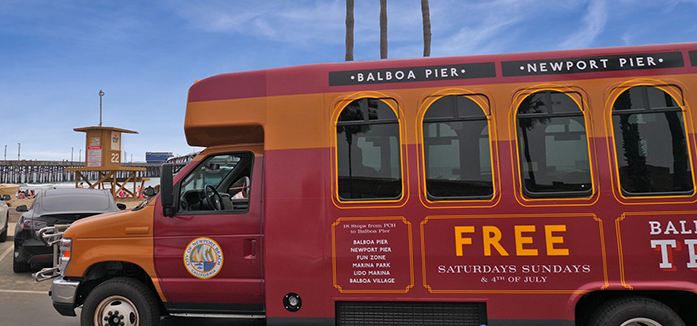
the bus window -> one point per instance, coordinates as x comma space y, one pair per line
368, 151
553, 147
221, 182
650, 143
457, 151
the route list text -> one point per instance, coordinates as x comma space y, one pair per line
372, 255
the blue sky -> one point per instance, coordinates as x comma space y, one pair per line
55, 56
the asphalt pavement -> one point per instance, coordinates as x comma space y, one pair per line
24, 301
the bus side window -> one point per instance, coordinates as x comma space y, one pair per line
553, 146
650, 143
220, 183
457, 150
368, 151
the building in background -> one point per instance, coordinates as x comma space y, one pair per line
157, 157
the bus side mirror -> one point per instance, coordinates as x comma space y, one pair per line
149, 192
166, 190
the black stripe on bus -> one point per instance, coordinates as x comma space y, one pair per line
623, 62
693, 58
412, 74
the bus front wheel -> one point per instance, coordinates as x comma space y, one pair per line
120, 301
635, 311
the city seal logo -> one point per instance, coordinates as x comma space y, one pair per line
203, 258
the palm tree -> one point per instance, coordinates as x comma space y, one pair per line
349, 30
426, 17
383, 29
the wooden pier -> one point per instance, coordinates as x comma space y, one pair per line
33, 172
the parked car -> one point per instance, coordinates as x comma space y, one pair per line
52, 207
4, 217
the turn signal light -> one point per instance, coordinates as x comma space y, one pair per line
66, 246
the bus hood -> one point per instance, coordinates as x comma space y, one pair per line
126, 223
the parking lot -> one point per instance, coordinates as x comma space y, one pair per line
24, 301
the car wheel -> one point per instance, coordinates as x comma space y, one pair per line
635, 311
18, 266
120, 301
3, 235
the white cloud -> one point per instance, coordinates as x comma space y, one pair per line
469, 27
284, 21
594, 20
469, 41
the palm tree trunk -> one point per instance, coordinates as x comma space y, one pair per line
383, 29
426, 17
349, 30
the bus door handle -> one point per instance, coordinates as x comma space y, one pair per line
251, 249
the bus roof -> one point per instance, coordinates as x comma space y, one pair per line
211, 121
450, 71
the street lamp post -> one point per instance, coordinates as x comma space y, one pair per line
100, 107
19, 146
72, 150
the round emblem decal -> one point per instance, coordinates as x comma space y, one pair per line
203, 258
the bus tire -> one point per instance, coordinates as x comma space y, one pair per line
635, 311
120, 300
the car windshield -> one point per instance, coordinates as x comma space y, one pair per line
75, 203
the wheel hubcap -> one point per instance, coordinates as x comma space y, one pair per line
116, 311
641, 322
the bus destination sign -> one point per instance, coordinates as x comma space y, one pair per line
640, 61
412, 74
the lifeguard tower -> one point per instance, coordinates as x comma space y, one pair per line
103, 155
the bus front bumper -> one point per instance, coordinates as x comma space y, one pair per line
63, 296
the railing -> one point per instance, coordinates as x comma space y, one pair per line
55, 171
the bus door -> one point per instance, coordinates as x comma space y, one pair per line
208, 255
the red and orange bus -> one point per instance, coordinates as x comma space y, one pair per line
551, 188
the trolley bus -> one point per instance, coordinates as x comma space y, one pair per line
549, 188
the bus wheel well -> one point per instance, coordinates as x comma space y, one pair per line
682, 302
104, 271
